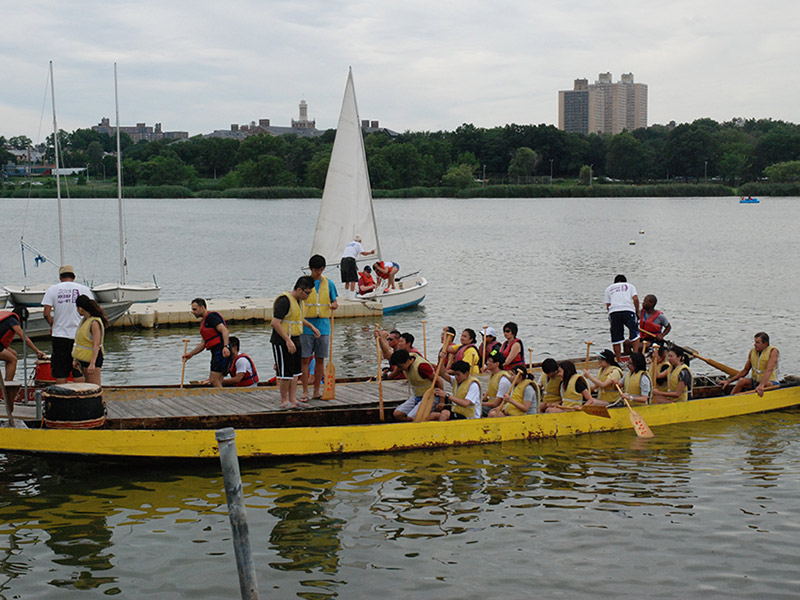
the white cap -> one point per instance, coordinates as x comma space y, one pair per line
490, 331
357, 238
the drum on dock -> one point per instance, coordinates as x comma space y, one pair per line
74, 406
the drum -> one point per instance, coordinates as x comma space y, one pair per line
74, 406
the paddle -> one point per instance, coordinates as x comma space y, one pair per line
329, 391
483, 362
380, 377
424, 342
691, 352
9, 402
426, 404
639, 426
530, 359
588, 346
595, 411
183, 369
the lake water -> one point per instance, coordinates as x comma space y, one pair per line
705, 508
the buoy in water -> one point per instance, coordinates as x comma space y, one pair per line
641, 232
632, 243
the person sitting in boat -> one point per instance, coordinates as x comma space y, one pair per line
490, 342
762, 364
10, 326
420, 374
679, 379
445, 354
366, 283
465, 401
653, 323
609, 376
512, 348
348, 267
405, 341
214, 332
466, 351
659, 355
87, 352
499, 381
550, 385
522, 399
386, 269
243, 370
574, 389
637, 385
388, 341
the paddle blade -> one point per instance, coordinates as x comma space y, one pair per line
596, 411
639, 426
329, 391
425, 406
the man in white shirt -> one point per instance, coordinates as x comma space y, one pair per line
622, 304
348, 264
62, 315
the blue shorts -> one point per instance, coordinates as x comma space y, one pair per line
314, 346
621, 319
219, 363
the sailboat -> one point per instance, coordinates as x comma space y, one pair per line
122, 290
346, 209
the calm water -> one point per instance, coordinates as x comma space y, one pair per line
707, 508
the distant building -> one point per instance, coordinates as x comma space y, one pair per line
603, 106
140, 132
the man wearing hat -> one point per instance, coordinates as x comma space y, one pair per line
61, 313
348, 266
489, 341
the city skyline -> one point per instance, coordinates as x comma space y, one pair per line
201, 66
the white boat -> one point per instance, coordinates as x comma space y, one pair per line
37, 327
346, 208
4, 296
122, 291
27, 295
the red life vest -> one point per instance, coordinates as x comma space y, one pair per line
248, 379
365, 280
8, 335
211, 336
649, 324
506, 350
462, 350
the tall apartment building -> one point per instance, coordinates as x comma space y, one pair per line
603, 106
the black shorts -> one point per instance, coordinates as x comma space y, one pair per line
621, 319
349, 269
61, 358
219, 363
287, 365
98, 363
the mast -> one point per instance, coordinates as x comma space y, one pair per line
119, 189
58, 178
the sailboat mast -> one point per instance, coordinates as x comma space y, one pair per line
58, 177
119, 188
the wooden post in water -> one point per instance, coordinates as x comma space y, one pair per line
248, 585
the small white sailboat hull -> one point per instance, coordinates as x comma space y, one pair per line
127, 292
27, 295
37, 327
409, 293
4, 296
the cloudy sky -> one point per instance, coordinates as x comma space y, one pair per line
198, 65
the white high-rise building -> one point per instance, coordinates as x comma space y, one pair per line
603, 106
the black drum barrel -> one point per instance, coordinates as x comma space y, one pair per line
74, 406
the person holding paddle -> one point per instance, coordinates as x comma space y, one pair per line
466, 351
524, 396
512, 348
763, 362
317, 310
609, 375
550, 384
214, 332
637, 384
679, 379
574, 389
499, 381
490, 342
465, 401
420, 374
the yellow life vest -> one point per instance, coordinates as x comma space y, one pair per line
633, 383
419, 384
551, 389
673, 380
664, 384
518, 395
494, 383
758, 362
294, 318
609, 394
84, 344
460, 391
570, 397
318, 305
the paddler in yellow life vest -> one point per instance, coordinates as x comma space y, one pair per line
550, 385
609, 376
574, 389
499, 381
659, 354
465, 401
763, 362
636, 385
466, 351
523, 398
679, 379
420, 375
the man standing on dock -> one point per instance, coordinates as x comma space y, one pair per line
622, 304
348, 267
61, 313
317, 308
215, 340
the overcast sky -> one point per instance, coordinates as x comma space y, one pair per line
198, 65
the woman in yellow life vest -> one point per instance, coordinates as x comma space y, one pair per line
679, 380
87, 352
466, 351
659, 356
636, 384
609, 376
499, 381
550, 385
523, 398
574, 389
762, 364
465, 401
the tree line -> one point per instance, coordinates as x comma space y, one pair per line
733, 152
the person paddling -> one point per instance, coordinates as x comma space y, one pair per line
763, 362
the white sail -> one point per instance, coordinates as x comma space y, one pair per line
346, 208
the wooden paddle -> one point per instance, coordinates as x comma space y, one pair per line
717, 365
424, 342
426, 404
183, 369
329, 391
380, 375
530, 359
639, 426
483, 362
9, 402
588, 346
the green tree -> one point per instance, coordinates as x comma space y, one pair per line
264, 172
524, 162
624, 159
20, 142
166, 170
317, 168
94, 154
459, 176
585, 175
784, 172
